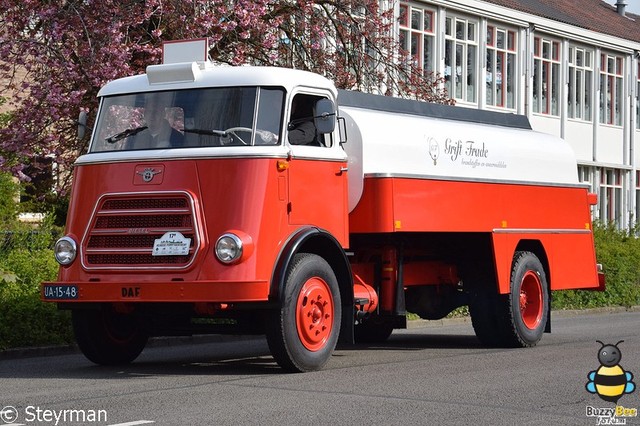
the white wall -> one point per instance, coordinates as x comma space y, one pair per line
546, 124
579, 135
610, 145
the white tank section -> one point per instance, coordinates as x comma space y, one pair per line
383, 143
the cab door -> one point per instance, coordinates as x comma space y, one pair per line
317, 172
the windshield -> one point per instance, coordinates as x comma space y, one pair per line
190, 118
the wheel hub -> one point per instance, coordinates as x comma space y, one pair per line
531, 297
314, 314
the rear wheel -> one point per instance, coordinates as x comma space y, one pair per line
107, 337
528, 305
485, 319
516, 319
302, 334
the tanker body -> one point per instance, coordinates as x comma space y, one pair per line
263, 200
470, 208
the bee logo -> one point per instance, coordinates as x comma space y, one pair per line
610, 381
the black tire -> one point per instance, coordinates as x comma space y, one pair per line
303, 333
484, 319
528, 306
106, 337
517, 319
372, 330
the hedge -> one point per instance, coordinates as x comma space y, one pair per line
28, 260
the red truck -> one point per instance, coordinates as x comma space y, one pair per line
262, 200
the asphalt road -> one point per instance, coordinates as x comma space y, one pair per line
437, 375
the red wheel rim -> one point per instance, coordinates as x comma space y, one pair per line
531, 300
314, 314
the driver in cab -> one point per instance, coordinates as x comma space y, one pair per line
158, 133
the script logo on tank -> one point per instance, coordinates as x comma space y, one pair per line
434, 150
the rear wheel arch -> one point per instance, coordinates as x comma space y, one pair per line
536, 247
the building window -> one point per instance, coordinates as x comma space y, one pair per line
585, 176
546, 76
461, 58
501, 67
610, 197
638, 98
580, 83
637, 218
417, 36
611, 89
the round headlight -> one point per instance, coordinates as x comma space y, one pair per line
228, 248
65, 250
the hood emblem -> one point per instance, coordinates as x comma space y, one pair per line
148, 174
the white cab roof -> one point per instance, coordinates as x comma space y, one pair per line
203, 75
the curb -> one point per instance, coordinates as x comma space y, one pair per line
157, 342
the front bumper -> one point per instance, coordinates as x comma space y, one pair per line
165, 291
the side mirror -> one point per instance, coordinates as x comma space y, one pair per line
82, 124
325, 118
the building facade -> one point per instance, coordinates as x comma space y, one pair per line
571, 66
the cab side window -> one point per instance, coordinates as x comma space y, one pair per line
301, 127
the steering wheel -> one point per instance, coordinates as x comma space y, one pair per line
233, 131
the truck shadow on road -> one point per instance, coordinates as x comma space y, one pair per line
248, 356
419, 341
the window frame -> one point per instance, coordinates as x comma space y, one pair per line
611, 89
581, 79
546, 76
638, 97
502, 94
425, 38
637, 194
611, 195
467, 48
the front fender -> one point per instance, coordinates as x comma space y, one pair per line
317, 241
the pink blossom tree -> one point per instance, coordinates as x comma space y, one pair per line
67, 49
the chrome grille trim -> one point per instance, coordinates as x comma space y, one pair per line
124, 226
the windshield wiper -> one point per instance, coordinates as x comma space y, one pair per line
125, 134
206, 132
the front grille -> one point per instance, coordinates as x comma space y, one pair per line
135, 259
146, 204
143, 221
125, 228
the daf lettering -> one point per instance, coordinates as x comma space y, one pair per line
129, 292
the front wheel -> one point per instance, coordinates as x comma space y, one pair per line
303, 333
107, 337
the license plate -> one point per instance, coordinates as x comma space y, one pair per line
171, 244
60, 292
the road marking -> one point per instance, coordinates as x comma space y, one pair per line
137, 422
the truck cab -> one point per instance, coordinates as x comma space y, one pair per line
198, 183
